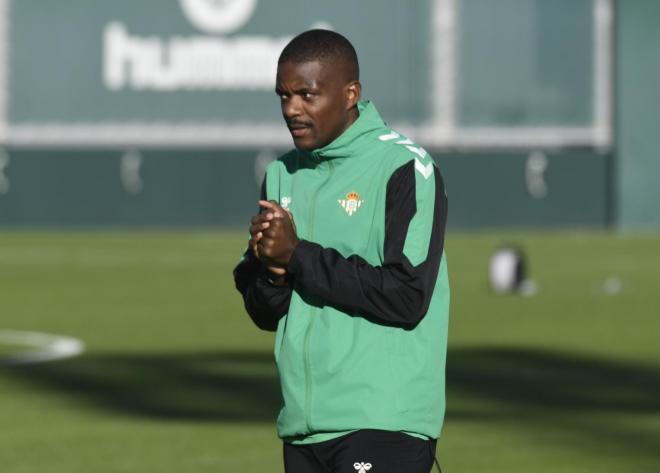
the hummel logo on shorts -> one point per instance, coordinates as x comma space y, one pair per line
362, 467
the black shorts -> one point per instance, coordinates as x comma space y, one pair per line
359, 452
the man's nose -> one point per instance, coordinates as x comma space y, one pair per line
291, 108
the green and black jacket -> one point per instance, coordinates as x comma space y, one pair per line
362, 327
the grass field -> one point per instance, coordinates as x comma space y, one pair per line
175, 378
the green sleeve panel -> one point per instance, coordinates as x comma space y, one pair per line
416, 246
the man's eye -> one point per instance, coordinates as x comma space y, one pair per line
307, 95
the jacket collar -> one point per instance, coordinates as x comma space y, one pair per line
348, 142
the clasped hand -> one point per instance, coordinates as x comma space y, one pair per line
273, 236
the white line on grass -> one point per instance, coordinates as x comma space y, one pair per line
45, 347
100, 258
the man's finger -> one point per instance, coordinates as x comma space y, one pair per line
270, 233
268, 204
277, 270
262, 250
255, 248
272, 205
293, 222
257, 218
260, 227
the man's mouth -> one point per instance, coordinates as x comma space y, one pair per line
299, 129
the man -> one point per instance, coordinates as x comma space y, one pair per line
346, 263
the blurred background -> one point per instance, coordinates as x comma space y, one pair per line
133, 139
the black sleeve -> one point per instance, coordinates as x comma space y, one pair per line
395, 293
264, 301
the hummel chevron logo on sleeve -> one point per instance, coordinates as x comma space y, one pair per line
408, 143
390, 136
425, 171
419, 151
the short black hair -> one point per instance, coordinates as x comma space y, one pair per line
325, 46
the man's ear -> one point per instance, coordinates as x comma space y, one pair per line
353, 94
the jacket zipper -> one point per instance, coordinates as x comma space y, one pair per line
308, 369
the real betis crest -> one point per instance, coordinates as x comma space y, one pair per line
351, 203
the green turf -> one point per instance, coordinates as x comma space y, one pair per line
7, 349
176, 379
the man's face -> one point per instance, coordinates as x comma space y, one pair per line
315, 102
